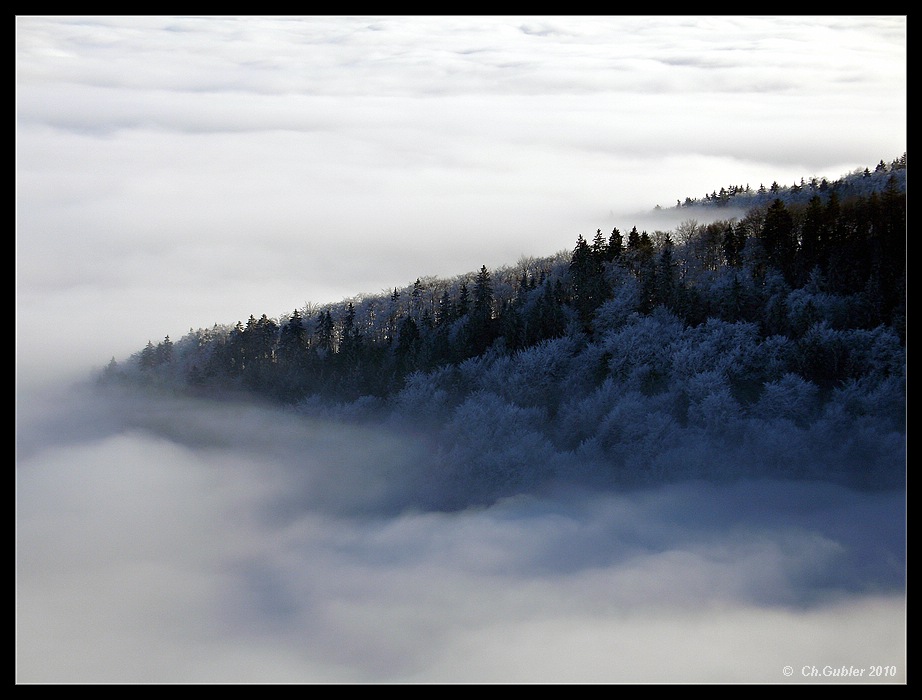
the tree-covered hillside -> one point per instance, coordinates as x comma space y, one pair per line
859, 183
770, 344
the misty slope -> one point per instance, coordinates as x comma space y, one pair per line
767, 345
862, 182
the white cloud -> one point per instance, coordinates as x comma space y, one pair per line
175, 541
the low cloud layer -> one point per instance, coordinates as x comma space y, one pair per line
198, 542
177, 172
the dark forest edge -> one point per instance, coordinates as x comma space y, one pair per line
769, 344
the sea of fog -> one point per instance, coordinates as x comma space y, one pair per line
166, 540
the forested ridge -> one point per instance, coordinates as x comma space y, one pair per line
771, 342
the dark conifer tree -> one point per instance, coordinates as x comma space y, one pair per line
351, 342
408, 346
258, 342
546, 318
445, 315
483, 293
581, 272
512, 327
293, 359
148, 357
464, 300
235, 350
812, 236
666, 281
111, 372
323, 332
599, 247
646, 244
292, 337
587, 283
480, 323
416, 299
732, 244
779, 239
615, 245
164, 352
633, 239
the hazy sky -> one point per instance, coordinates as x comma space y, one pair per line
176, 172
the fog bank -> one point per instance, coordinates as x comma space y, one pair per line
204, 542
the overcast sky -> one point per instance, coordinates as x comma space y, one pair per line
176, 172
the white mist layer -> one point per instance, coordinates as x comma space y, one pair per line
188, 550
